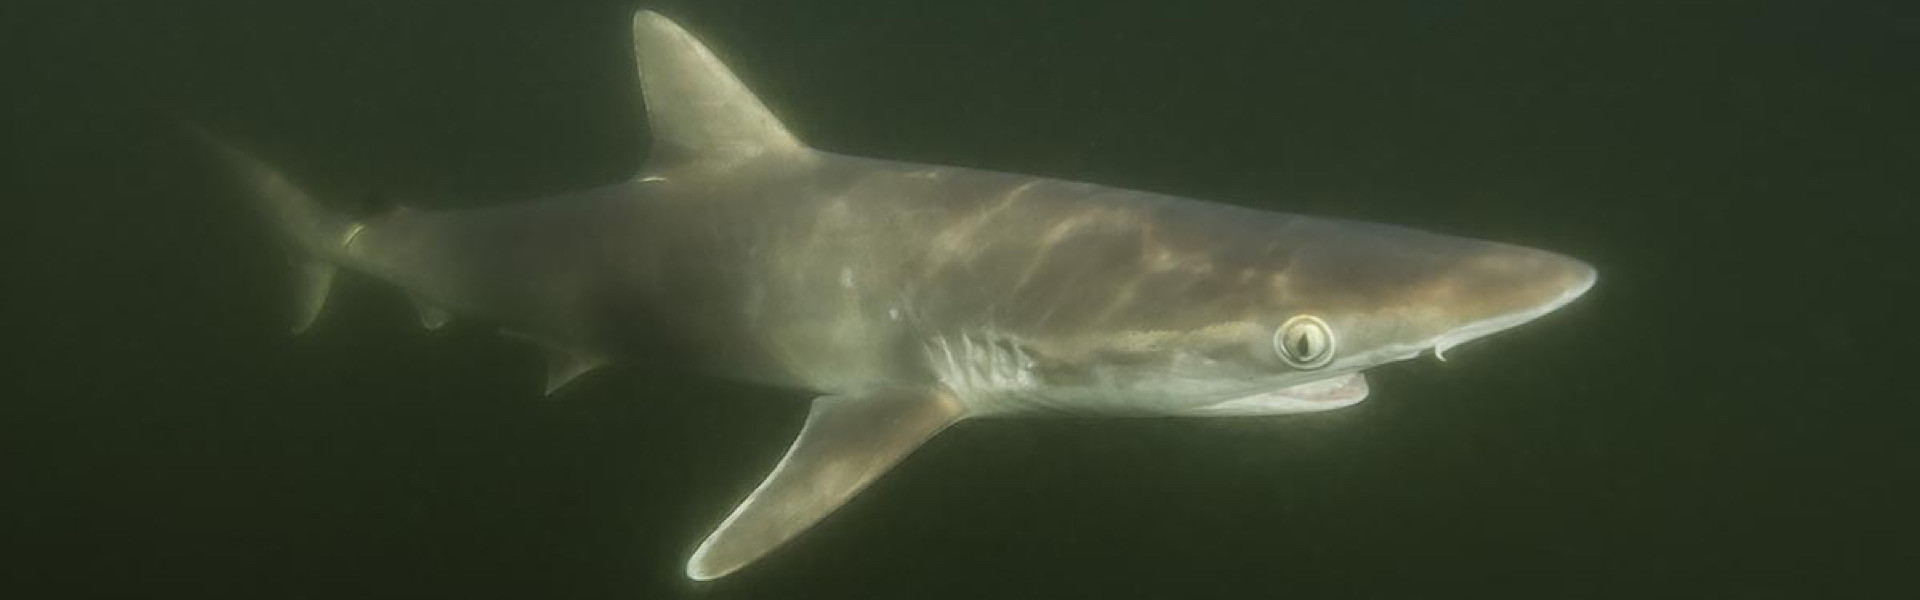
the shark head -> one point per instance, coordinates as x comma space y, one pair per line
1360, 295
1286, 318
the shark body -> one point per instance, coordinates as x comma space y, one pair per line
908, 297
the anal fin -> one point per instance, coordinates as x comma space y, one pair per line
563, 367
432, 317
847, 442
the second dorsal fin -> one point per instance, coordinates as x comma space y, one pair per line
697, 109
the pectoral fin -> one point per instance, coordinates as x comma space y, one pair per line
848, 441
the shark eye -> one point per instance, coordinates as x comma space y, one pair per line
1305, 342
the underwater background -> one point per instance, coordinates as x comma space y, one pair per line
1723, 416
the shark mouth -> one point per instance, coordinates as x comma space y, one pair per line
1313, 396
1350, 387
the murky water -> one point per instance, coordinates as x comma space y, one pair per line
1714, 418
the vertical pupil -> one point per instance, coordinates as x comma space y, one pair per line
1304, 342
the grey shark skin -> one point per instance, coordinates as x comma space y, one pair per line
910, 297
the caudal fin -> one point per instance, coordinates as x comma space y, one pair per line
316, 238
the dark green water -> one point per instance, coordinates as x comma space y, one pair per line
1721, 417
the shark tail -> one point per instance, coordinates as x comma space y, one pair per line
317, 238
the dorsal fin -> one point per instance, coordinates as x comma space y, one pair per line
697, 109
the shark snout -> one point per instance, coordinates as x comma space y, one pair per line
1510, 286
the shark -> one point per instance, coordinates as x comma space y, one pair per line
904, 298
